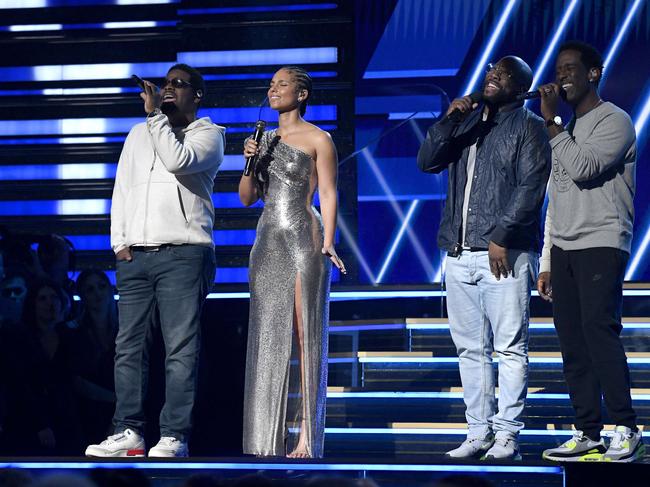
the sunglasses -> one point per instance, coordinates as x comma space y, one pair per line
176, 83
493, 68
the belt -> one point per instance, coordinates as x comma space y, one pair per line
459, 249
153, 248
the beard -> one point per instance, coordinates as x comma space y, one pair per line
168, 108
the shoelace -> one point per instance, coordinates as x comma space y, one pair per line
112, 439
577, 436
503, 442
617, 440
167, 440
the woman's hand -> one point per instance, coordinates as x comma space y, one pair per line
330, 252
250, 148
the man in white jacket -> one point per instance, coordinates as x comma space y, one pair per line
161, 232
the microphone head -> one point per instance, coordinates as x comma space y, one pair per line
260, 125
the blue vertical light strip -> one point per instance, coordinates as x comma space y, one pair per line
398, 239
639, 126
613, 49
550, 49
487, 51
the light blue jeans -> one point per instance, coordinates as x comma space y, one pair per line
487, 315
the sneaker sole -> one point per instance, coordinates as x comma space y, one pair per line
515, 458
589, 457
117, 454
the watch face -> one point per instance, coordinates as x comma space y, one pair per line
557, 120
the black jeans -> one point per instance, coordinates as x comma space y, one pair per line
587, 302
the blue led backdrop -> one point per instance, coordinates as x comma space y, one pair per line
383, 70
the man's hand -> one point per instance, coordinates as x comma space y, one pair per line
544, 286
151, 97
550, 97
124, 254
498, 256
464, 105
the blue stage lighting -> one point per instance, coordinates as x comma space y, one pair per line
256, 9
410, 73
259, 57
479, 70
638, 255
58, 171
613, 49
398, 239
413, 238
550, 49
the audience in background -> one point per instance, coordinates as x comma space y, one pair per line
93, 353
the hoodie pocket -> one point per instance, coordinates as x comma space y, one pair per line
181, 204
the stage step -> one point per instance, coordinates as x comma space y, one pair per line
359, 408
410, 440
432, 334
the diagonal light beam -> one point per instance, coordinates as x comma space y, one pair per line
550, 49
351, 241
479, 69
639, 125
413, 238
613, 49
396, 242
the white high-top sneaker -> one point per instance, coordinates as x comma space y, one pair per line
128, 443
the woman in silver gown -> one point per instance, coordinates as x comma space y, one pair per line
289, 276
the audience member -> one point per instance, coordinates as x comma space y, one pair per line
41, 417
93, 352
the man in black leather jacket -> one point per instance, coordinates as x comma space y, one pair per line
498, 164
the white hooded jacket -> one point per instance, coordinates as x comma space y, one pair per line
164, 182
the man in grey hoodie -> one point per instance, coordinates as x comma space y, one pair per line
586, 248
162, 218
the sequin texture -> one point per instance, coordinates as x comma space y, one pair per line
287, 251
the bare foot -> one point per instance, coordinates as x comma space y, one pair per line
300, 451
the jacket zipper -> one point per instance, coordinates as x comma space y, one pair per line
146, 201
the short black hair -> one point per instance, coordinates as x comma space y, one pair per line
196, 79
589, 55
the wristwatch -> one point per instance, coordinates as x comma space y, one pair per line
156, 111
556, 120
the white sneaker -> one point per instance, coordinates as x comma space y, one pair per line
506, 447
169, 447
128, 443
472, 447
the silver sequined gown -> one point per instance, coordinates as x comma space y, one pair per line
287, 247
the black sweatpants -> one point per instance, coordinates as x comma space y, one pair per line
587, 302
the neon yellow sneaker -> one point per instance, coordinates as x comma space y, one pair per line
626, 446
579, 448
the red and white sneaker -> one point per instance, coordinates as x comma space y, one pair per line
128, 443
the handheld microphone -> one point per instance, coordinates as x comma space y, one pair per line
535, 94
257, 136
456, 115
528, 96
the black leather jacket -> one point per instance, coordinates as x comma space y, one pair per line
513, 161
